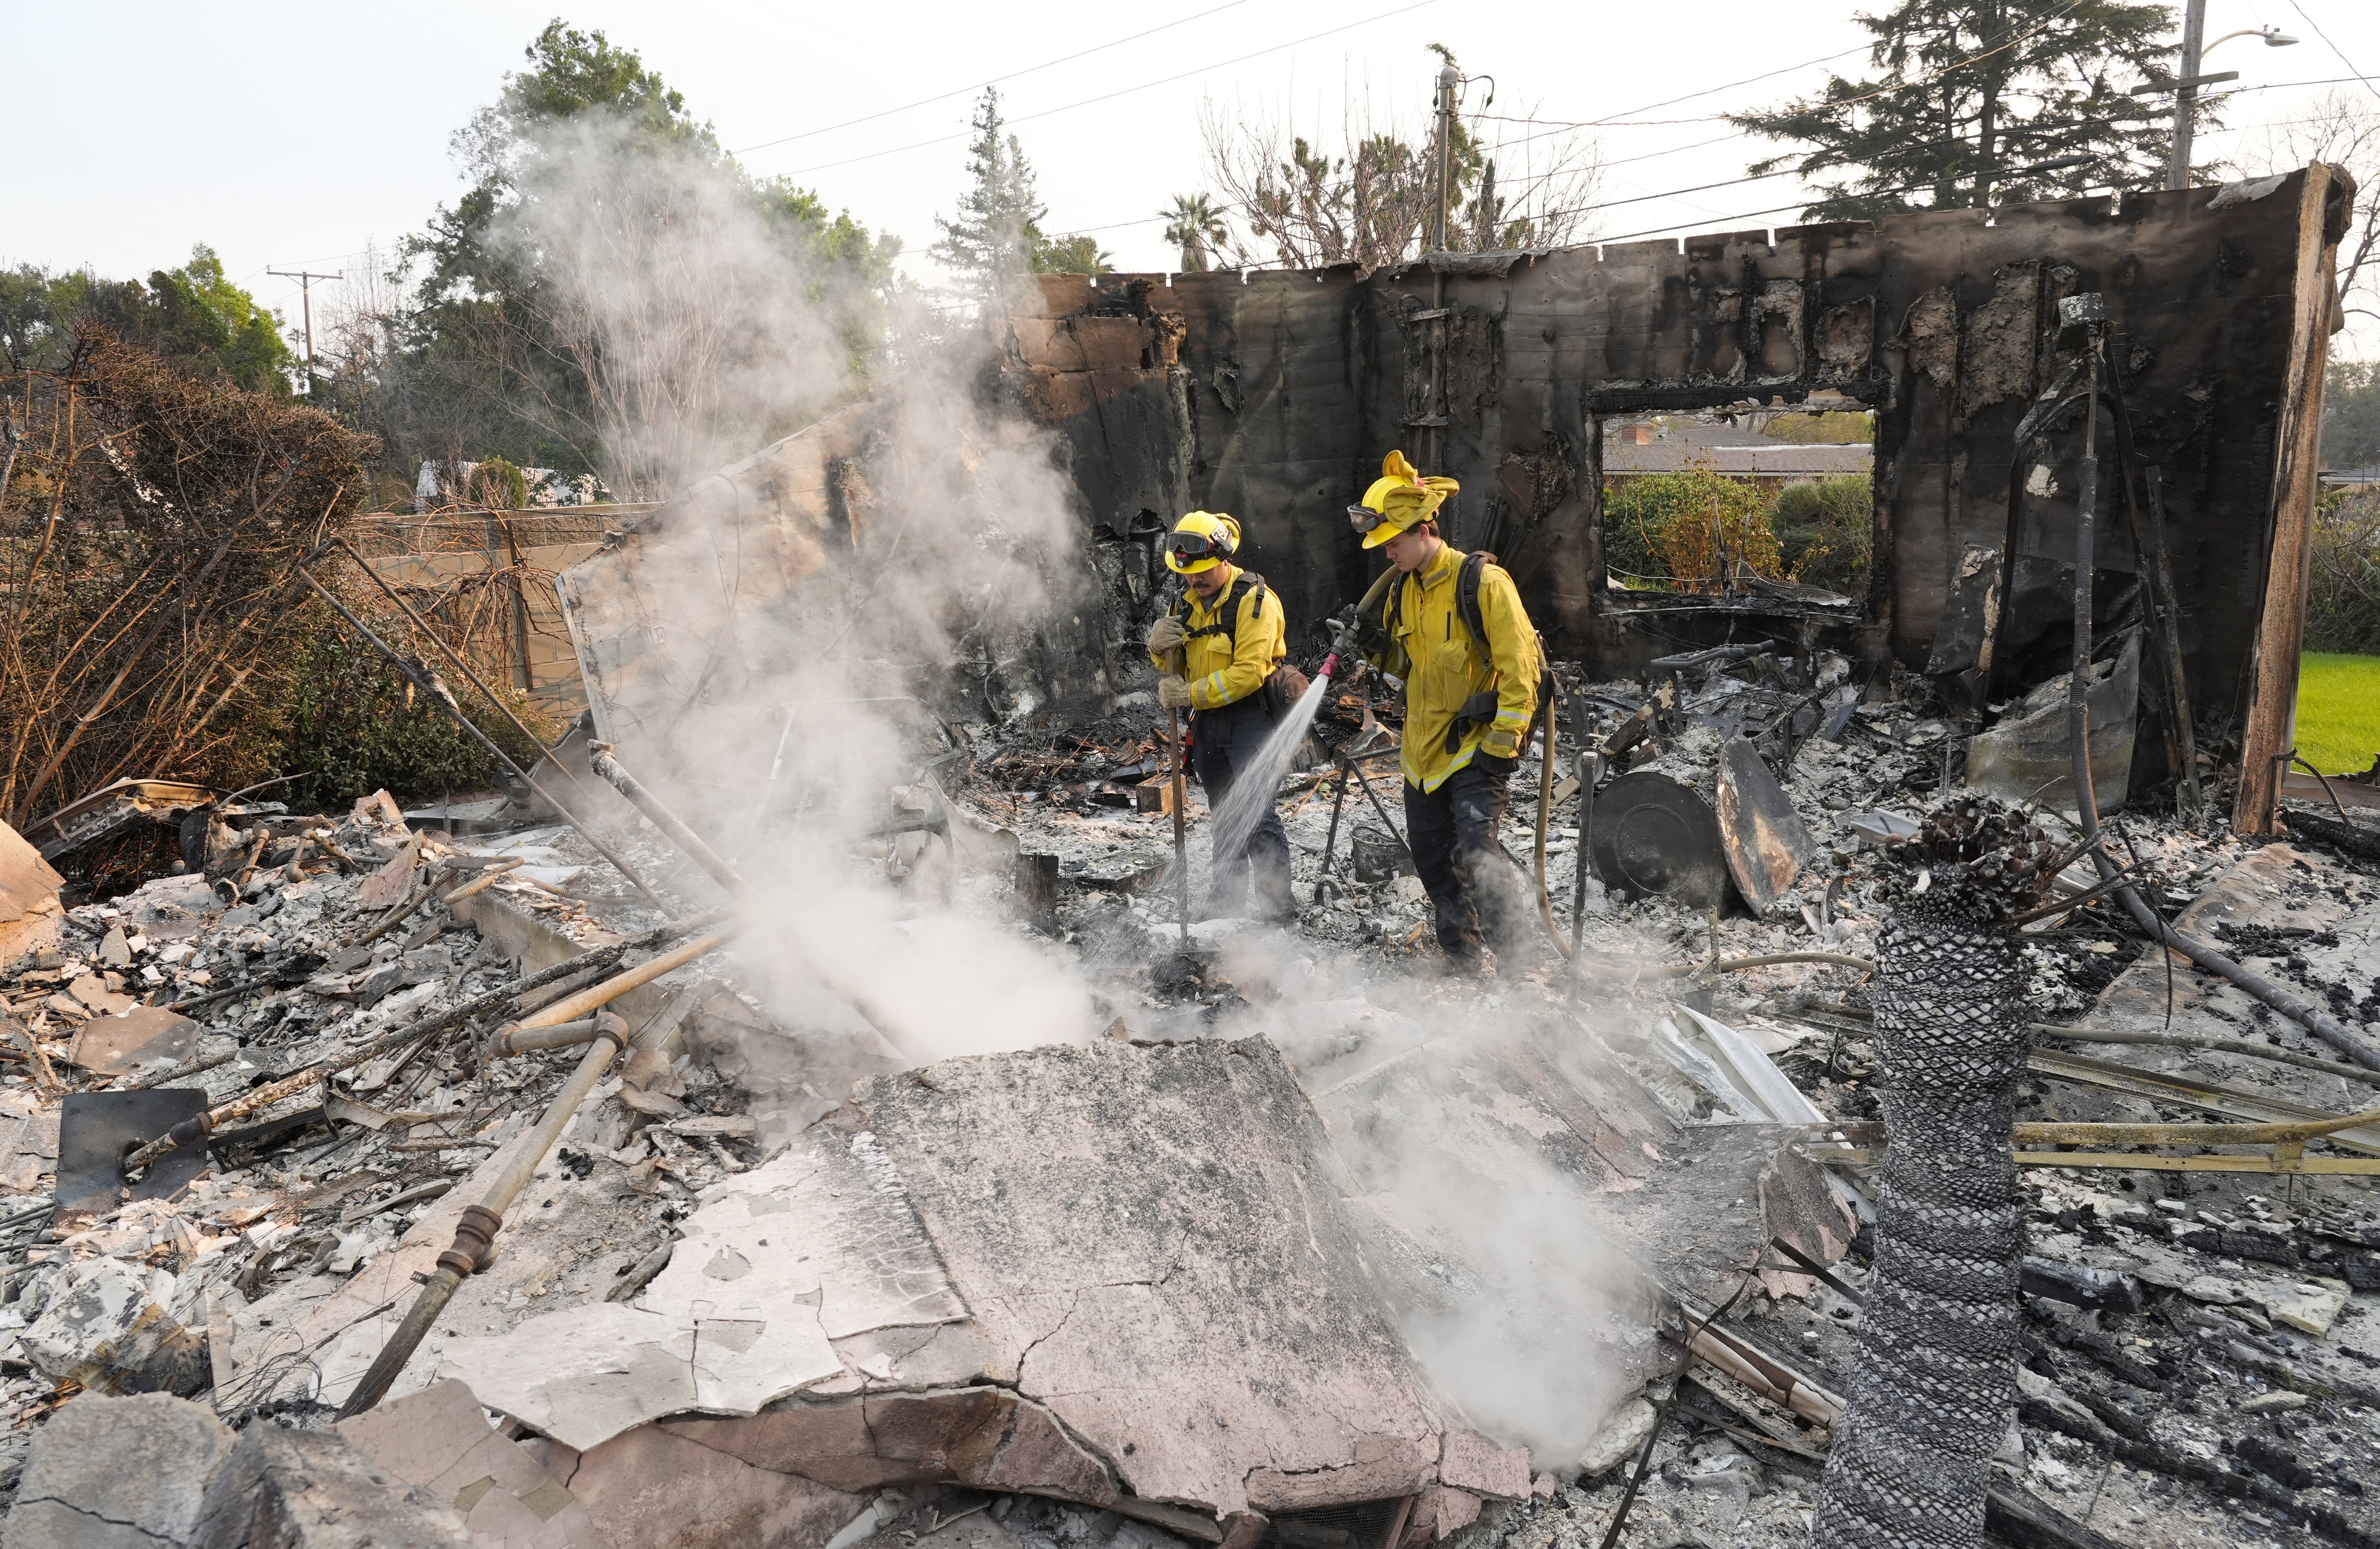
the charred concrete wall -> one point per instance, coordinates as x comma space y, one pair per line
1274, 394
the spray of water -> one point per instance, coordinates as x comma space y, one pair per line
1236, 816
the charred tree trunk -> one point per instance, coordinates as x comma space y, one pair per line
1935, 1387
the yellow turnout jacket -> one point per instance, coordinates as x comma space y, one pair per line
1224, 665
1433, 651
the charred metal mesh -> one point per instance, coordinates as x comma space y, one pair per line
1934, 1383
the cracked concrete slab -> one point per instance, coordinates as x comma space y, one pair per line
1149, 1239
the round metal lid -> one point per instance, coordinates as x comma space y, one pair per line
1652, 836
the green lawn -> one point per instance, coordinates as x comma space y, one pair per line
2338, 710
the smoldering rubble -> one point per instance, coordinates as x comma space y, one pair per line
801, 1110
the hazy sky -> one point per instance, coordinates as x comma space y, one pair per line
302, 133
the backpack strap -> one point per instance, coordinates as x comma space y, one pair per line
1466, 601
1227, 617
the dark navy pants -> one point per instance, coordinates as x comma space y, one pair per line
1452, 831
1221, 743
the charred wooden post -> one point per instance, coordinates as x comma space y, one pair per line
1935, 1385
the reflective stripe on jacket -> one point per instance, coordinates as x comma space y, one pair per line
1443, 666
1226, 668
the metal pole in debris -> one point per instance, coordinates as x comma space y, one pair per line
1180, 800
456, 711
1590, 768
476, 1233
601, 759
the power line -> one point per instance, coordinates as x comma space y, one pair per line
1708, 92
1126, 92
2343, 59
1614, 120
965, 91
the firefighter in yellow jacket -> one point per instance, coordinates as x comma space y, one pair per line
1217, 648
1452, 627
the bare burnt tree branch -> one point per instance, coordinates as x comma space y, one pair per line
147, 535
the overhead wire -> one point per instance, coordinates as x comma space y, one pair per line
995, 80
2334, 48
1123, 92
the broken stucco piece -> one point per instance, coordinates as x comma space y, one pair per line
814, 1227
1474, 1463
438, 1439
584, 1374
117, 1473
134, 1473
27, 883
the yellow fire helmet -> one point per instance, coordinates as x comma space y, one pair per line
1399, 499
1200, 542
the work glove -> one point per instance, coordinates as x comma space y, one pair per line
1501, 744
1165, 635
1174, 693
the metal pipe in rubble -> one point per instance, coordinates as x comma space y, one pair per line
601, 759
2078, 730
513, 1038
475, 1234
437, 692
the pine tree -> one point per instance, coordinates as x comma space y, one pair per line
1973, 97
997, 237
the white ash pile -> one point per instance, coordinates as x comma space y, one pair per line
332, 988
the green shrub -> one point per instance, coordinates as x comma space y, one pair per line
1663, 529
1825, 530
354, 728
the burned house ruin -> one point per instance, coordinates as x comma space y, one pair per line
1212, 1239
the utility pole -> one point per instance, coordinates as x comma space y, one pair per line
2185, 99
2185, 86
305, 292
1450, 82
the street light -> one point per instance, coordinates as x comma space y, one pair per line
2185, 90
2274, 38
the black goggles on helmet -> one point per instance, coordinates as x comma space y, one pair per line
1364, 518
1196, 546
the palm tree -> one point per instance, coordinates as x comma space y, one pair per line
1194, 225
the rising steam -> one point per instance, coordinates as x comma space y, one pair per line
802, 634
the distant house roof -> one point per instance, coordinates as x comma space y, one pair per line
1676, 445
443, 484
